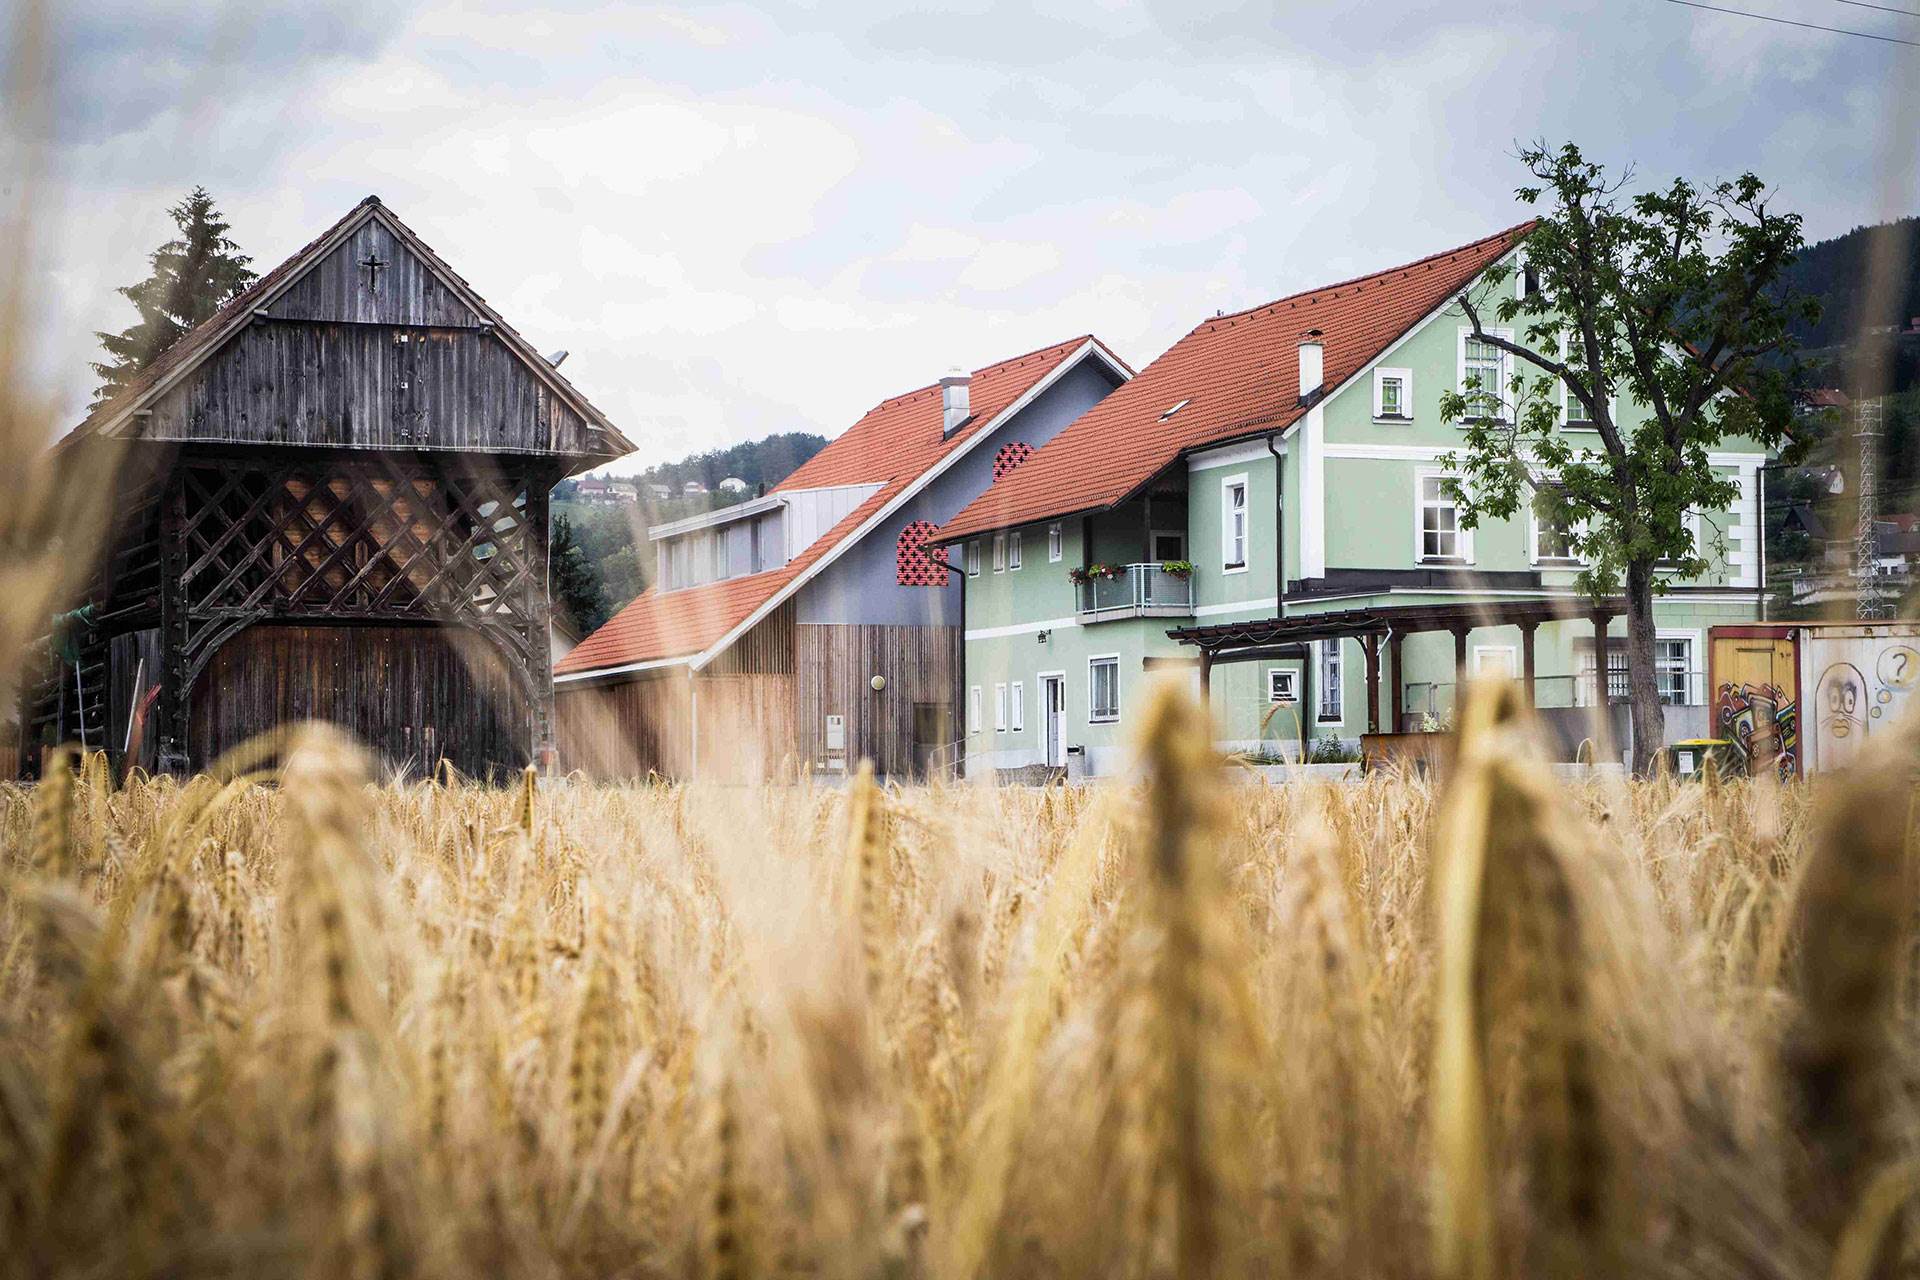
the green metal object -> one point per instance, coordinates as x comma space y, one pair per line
1693, 757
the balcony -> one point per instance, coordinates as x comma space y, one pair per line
1139, 591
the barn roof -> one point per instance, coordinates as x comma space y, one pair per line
1233, 376
896, 444
117, 417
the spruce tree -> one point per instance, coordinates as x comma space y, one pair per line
578, 596
193, 276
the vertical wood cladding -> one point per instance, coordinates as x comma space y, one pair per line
369, 386
412, 694
740, 726
372, 278
835, 668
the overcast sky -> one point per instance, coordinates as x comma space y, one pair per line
743, 219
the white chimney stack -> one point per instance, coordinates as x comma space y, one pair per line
955, 400
1312, 364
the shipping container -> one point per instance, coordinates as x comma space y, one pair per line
1857, 677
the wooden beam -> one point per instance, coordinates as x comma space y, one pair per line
1399, 700
1527, 630
1371, 645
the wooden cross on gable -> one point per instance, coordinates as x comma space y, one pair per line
373, 263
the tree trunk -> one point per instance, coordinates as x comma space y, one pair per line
1643, 691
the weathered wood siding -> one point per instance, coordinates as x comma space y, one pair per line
402, 291
411, 694
743, 726
835, 666
369, 387
626, 730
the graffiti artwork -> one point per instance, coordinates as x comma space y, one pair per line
1840, 700
1762, 722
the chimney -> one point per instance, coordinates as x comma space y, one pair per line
955, 402
1312, 365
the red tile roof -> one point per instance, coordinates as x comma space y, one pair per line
896, 442
1238, 376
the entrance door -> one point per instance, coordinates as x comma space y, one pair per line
1053, 701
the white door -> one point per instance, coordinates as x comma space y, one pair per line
1053, 697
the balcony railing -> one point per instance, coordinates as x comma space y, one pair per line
1140, 591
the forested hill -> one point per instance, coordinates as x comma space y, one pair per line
758, 462
1835, 271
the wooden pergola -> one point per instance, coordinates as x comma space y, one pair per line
1274, 638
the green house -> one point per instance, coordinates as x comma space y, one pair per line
1262, 506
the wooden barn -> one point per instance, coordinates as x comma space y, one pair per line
331, 503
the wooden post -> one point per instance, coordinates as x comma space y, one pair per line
1601, 644
1527, 630
172, 708
1206, 677
1459, 660
1371, 644
1399, 698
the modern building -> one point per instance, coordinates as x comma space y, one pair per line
1262, 506
812, 627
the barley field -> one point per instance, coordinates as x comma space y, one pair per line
291, 1022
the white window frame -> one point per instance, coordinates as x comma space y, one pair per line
1511, 655
1323, 650
1567, 400
1013, 551
1000, 707
973, 557
1463, 537
1017, 697
1576, 560
1227, 513
1405, 378
1000, 552
1055, 543
974, 710
1696, 678
1101, 660
1504, 376
1283, 686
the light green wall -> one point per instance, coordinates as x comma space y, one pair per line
1370, 521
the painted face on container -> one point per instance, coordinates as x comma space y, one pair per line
1842, 699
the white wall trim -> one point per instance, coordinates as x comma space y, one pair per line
1313, 494
1235, 606
1089, 348
1710, 597
654, 664
1232, 455
1019, 629
1392, 452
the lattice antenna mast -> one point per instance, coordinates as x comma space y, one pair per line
1869, 417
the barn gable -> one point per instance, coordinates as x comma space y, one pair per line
365, 338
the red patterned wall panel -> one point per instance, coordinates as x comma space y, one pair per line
1009, 457
915, 563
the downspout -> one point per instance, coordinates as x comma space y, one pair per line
1760, 529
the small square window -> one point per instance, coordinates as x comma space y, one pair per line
1283, 686
1393, 395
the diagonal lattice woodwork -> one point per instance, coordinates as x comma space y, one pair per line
361, 538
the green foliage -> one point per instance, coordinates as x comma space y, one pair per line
1673, 298
578, 596
1329, 749
192, 276
766, 462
